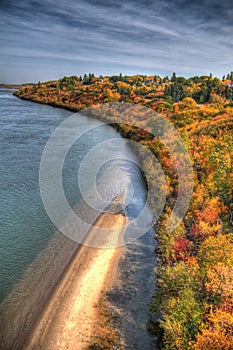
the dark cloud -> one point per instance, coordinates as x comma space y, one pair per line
46, 39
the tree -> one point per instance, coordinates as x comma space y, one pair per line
177, 92
182, 322
187, 103
229, 92
216, 249
173, 78
218, 335
219, 281
182, 248
112, 96
123, 88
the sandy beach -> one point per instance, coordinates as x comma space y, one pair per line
68, 319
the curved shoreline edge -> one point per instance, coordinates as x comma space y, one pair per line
15, 326
68, 318
121, 131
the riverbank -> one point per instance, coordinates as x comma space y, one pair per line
180, 252
10, 86
69, 318
127, 300
136, 270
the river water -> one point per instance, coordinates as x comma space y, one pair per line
33, 253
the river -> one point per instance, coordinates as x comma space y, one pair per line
33, 253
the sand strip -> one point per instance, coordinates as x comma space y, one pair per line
69, 316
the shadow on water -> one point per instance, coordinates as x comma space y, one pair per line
132, 293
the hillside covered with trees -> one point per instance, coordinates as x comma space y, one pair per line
193, 300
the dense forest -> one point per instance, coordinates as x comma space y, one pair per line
193, 299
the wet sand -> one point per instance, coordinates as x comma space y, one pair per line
68, 318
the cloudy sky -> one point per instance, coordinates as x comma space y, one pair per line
47, 39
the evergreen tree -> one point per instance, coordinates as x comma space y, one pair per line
229, 93
177, 92
173, 78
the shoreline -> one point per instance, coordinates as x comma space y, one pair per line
130, 327
10, 87
68, 318
72, 110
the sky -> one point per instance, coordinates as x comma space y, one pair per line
48, 39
